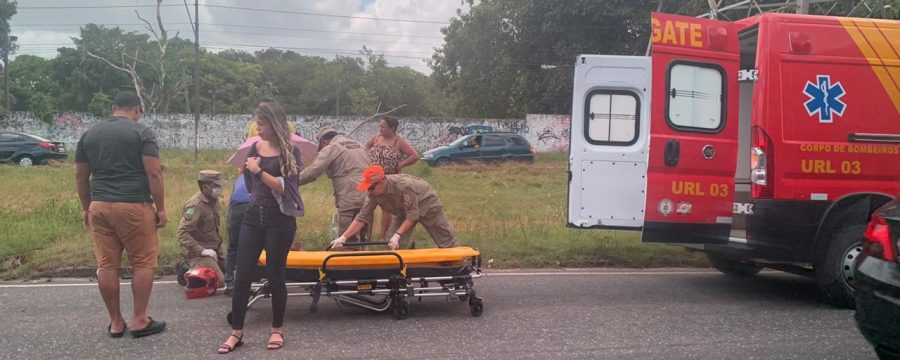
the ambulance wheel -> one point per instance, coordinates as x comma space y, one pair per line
835, 272
733, 267
228, 318
401, 309
476, 307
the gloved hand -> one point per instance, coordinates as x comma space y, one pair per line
339, 242
209, 252
394, 244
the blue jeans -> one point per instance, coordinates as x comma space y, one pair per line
236, 213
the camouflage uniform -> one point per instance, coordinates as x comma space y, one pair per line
411, 198
199, 229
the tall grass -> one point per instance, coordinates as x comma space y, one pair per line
513, 213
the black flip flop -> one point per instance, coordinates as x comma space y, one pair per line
115, 335
153, 327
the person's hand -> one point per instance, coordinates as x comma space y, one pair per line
252, 164
161, 218
209, 252
394, 244
86, 219
339, 242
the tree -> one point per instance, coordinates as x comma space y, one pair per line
505, 58
7, 10
159, 90
362, 101
42, 107
30, 75
101, 104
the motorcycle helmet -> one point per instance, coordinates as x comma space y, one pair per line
201, 282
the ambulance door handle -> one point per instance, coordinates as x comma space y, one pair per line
673, 149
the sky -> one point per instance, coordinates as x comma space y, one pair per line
405, 31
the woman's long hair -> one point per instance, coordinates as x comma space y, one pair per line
273, 115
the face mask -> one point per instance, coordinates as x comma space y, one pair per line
216, 192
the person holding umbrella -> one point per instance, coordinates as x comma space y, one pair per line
271, 173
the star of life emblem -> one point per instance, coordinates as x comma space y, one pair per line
824, 99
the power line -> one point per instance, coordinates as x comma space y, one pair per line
246, 26
324, 15
233, 8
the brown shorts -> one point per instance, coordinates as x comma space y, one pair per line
129, 226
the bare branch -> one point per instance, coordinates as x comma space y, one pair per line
370, 118
149, 27
138, 86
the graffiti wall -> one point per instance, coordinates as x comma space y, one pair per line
545, 132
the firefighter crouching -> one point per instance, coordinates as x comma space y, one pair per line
410, 199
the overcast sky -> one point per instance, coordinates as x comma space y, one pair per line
408, 31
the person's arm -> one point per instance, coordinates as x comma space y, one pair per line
83, 185
353, 229
371, 141
153, 168
270, 181
318, 167
186, 229
411, 155
405, 227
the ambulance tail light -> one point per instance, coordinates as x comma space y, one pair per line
762, 164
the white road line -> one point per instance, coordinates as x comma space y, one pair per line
606, 273
488, 274
73, 285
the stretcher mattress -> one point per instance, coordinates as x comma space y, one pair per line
432, 257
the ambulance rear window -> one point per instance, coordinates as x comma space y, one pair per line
695, 98
611, 117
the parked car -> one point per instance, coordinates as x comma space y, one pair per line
877, 279
487, 147
26, 150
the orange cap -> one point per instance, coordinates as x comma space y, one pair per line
371, 175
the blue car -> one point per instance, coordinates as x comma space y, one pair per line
877, 280
27, 150
486, 147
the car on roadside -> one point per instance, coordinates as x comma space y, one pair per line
27, 150
877, 280
484, 147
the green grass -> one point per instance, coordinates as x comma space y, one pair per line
513, 213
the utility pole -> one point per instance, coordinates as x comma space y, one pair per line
9, 48
196, 81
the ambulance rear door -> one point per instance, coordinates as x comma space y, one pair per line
608, 142
693, 130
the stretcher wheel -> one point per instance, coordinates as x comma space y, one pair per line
401, 309
228, 318
476, 307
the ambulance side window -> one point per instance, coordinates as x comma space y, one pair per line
695, 98
611, 117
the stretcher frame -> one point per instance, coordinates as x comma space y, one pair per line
388, 289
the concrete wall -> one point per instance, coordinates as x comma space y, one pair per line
545, 132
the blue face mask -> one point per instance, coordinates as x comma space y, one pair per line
217, 192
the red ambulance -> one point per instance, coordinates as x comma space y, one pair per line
765, 142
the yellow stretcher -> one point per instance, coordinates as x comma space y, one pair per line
380, 280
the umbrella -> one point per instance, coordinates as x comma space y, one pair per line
308, 150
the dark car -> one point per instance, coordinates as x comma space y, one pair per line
486, 147
877, 279
26, 150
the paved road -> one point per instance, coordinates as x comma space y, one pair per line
592, 313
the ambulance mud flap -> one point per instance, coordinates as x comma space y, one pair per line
686, 233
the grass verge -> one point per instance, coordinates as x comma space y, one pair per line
513, 213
